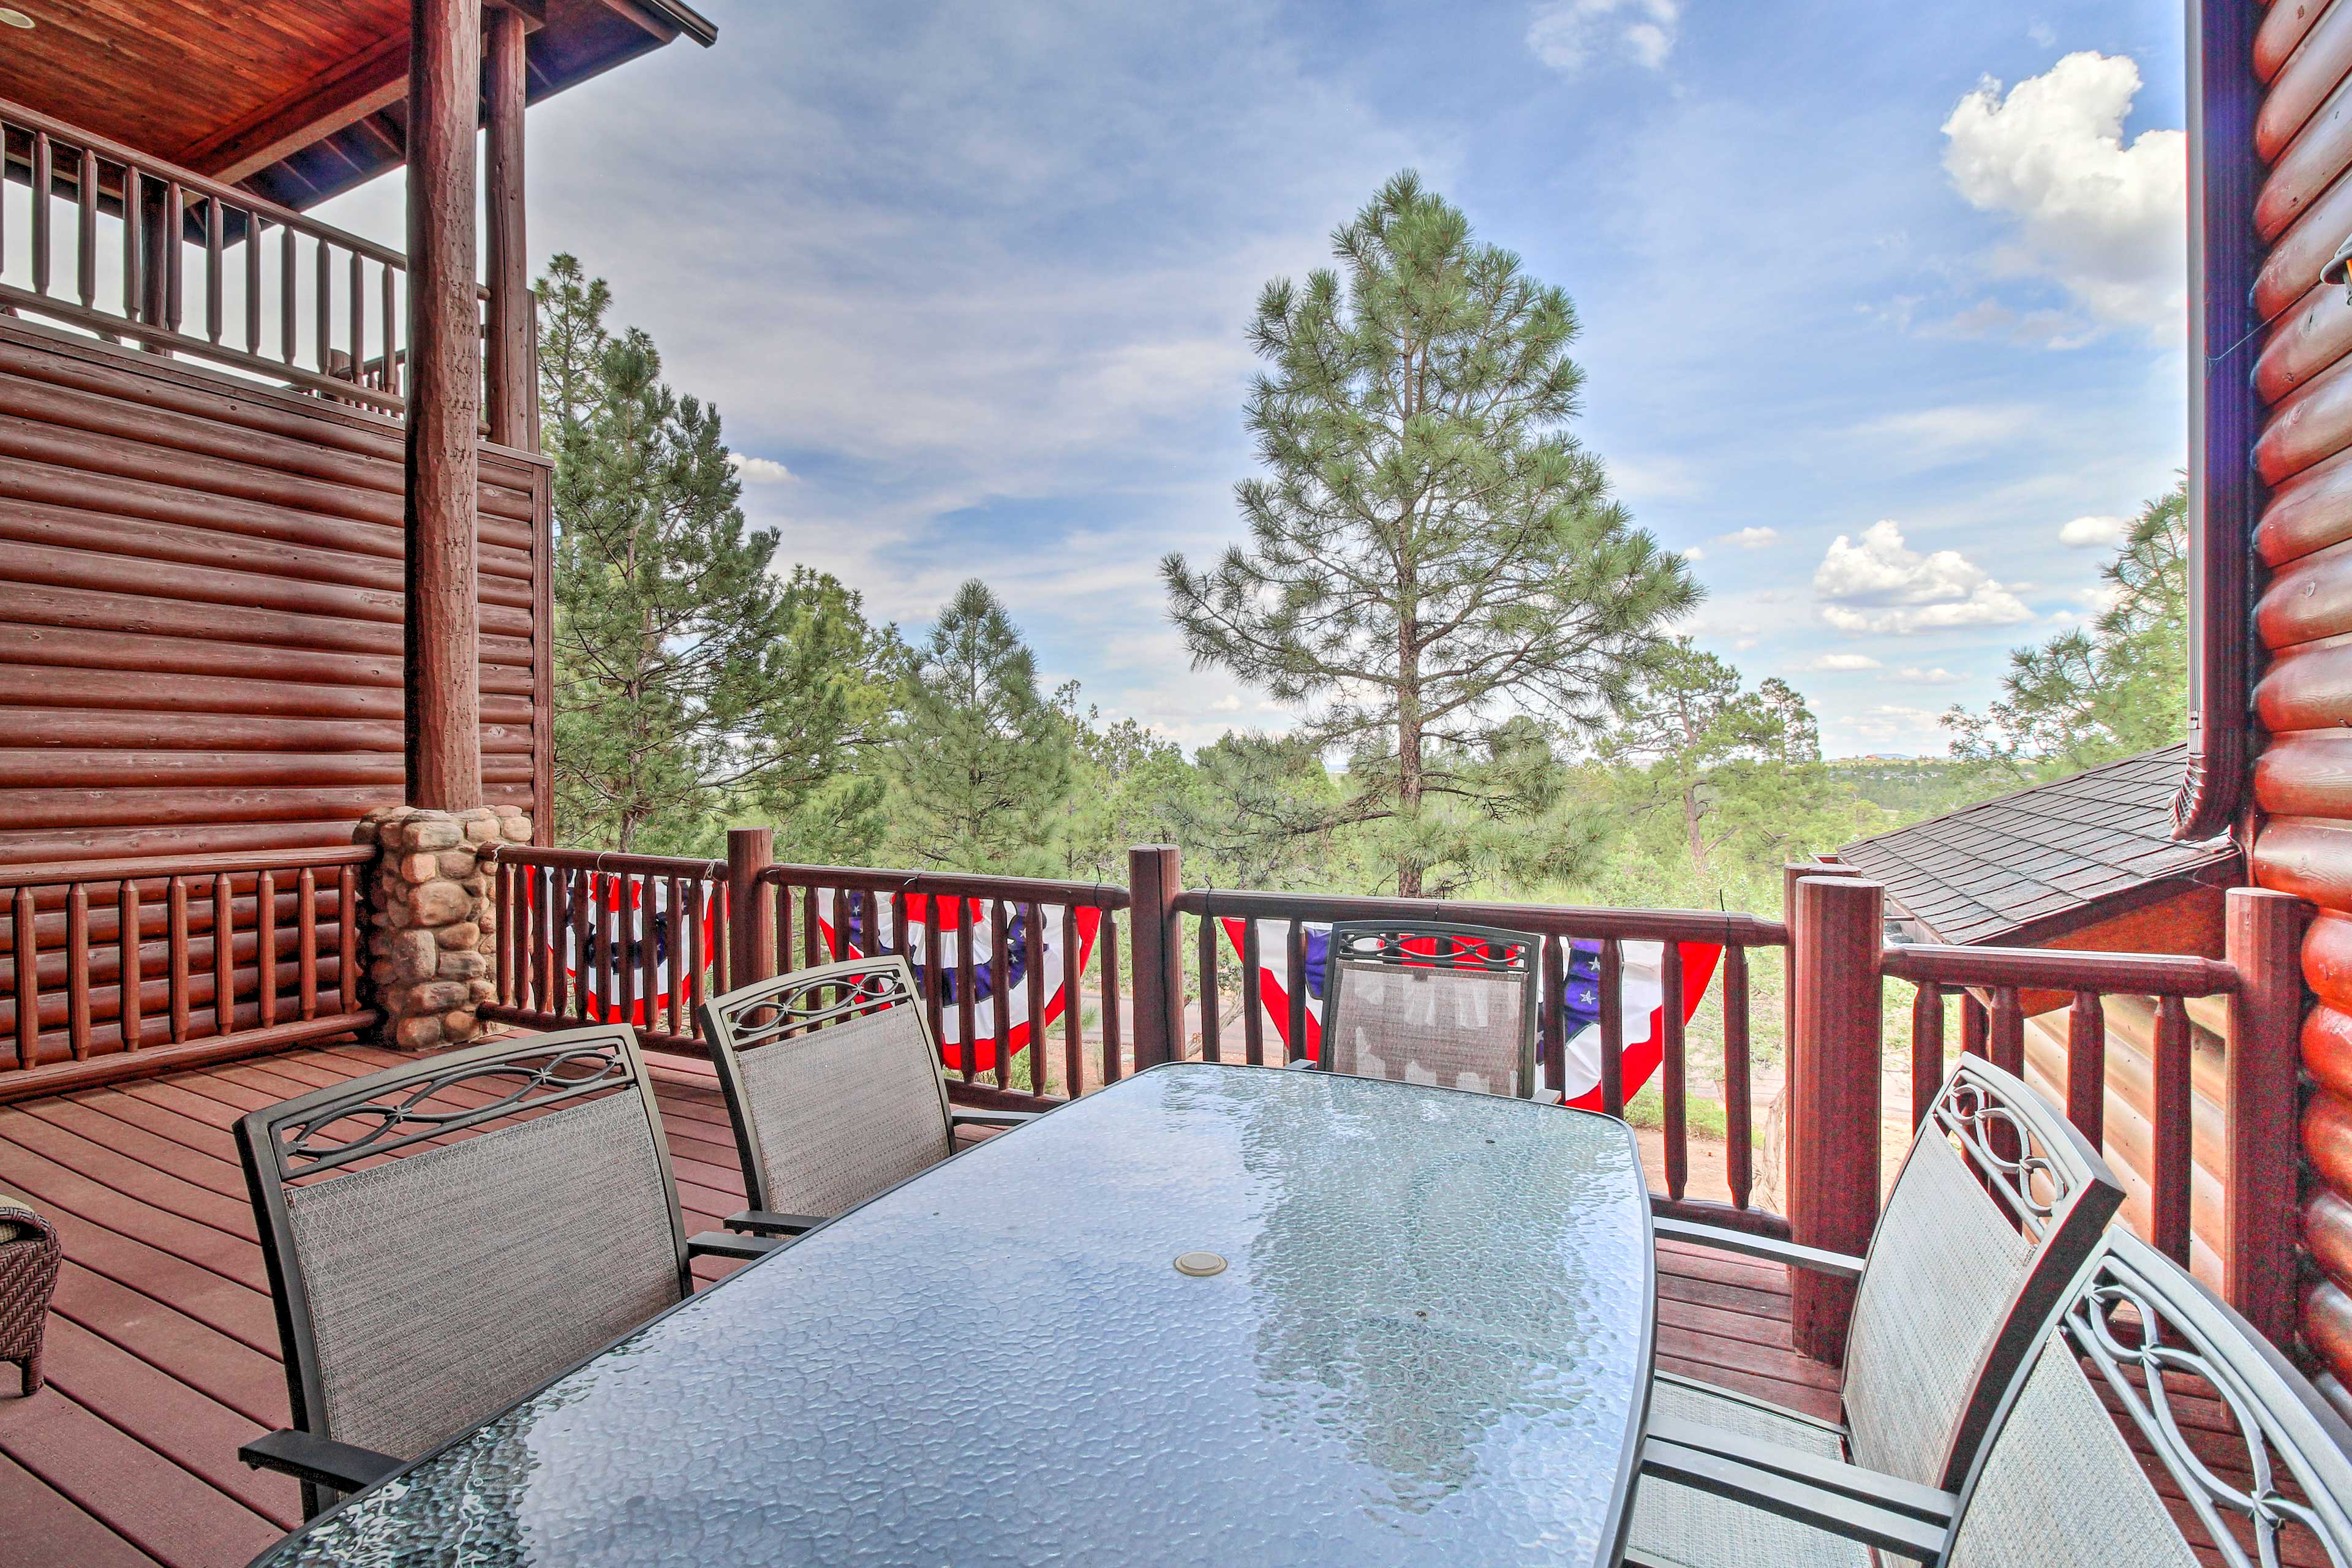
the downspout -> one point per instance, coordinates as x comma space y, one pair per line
2225, 413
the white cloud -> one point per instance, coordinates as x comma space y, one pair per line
1938, 675
1692, 553
1878, 584
1565, 34
2042, 33
1749, 538
1952, 430
2103, 218
1230, 702
1845, 661
2085, 531
758, 471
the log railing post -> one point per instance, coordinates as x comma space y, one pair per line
751, 914
2263, 940
1835, 925
1792, 1154
1154, 878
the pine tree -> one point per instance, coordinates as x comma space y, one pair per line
2113, 689
692, 682
1431, 551
982, 761
1738, 771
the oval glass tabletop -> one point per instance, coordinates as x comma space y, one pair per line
1211, 1315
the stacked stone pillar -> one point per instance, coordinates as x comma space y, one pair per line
432, 923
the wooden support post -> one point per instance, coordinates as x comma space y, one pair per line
510, 380
442, 634
750, 913
2263, 942
1792, 1154
1835, 931
1154, 878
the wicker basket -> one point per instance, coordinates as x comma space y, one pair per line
29, 1273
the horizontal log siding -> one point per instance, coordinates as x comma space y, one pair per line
200, 611
2303, 777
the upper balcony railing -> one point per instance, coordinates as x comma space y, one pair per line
136, 250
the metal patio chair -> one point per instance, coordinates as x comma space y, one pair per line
2257, 1460
1431, 1002
835, 1091
1997, 1205
445, 1236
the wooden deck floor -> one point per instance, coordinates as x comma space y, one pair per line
162, 1349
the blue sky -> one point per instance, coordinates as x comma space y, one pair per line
1880, 303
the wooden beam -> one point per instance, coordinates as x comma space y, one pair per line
441, 634
1835, 924
510, 390
2258, 1266
373, 81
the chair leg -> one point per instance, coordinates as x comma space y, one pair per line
29, 1374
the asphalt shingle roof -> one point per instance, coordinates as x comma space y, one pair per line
2044, 860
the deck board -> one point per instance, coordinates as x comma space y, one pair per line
164, 1347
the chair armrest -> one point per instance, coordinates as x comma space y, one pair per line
727, 1244
1924, 1503
322, 1461
768, 1222
1304, 1064
979, 1116
1845, 1512
1837, 1264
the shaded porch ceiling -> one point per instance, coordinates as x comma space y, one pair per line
296, 99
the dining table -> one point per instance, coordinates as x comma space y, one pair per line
1211, 1314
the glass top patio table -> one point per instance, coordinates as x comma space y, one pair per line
1430, 1343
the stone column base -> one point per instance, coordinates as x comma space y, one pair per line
432, 926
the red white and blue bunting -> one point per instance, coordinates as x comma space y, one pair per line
999, 963
1641, 1000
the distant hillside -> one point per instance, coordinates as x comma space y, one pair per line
1911, 788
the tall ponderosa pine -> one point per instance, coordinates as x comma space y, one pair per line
692, 683
2115, 689
982, 761
1738, 770
1431, 551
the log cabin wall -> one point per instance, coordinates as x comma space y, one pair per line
2130, 1141
2302, 456
200, 611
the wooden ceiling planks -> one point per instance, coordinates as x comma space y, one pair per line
297, 100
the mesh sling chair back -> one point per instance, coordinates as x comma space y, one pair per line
1431, 1002
444, 1237
1998, 1203
2142, 1376
835, 1090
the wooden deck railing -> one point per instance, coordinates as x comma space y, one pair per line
110, 969
136, 249
585, 936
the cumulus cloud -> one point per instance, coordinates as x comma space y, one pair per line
2085, 531
2104, 218
1936, 676
1845, 661
1692, 553
1749, 538
1567, 34
1878, 584
758, 471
